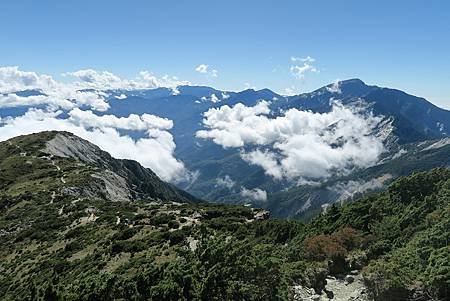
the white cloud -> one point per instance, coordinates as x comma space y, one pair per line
104, 80
121, 96
307, 59
254, 194
225, 182
135, 122
267, 160
13, 100
57, 95
214, 98
334, 87
96, 79
300, 71
12, 79
297, 144
220, 122
202, 68
305, 66
155, 151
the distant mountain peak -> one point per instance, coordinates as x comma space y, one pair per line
352, 81
353, 87
265, 90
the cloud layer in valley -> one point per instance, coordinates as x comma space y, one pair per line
255, 194
296, 145
53, 105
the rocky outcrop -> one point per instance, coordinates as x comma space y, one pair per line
345, 288
113, 179
115, 187
66, 145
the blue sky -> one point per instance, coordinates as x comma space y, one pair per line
400, 44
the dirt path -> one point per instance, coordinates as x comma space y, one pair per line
58, 168
53, 196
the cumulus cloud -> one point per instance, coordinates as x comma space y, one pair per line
220, 123
12, 79
104, 80
334, 87
301, 66
213, 98
296, 144
135, 122
254, 194
96, 79
300, 71
203, 68
155, 151
226, 182
12, 100
267, 160
55, 94
307, 59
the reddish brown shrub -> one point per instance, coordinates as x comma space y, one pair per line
350, 238
336, 245
322, 246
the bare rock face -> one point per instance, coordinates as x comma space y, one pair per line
113, 179
262, 215
348, 288
105, 183
441, 143
115, 186
71, 146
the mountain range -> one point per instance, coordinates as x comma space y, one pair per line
77, 224
403, 133
408, 125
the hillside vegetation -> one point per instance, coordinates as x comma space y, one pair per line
63, 238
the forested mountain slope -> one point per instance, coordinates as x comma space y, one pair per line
61, 242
